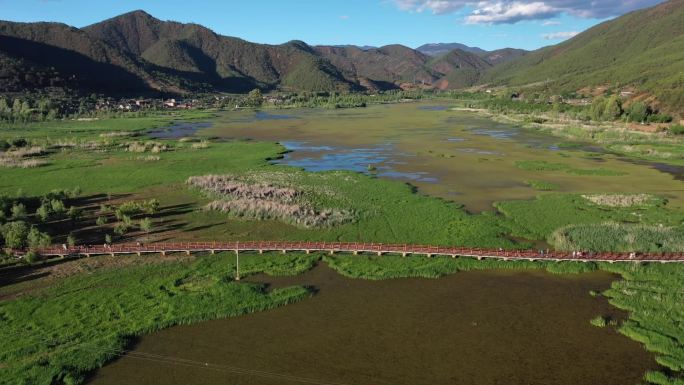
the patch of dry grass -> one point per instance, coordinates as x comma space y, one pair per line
296, 214
149, 158
200, 145
153, 147
620, 200
265, 201
228, 185
22, 157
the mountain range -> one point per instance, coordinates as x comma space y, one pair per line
138, 52
135, 53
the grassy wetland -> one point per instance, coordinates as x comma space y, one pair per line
396, 173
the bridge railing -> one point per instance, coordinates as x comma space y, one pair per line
351, 247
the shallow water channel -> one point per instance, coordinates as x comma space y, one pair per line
480, 327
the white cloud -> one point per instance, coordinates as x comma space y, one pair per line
500, 12
551, 22
560, 35
437, 7
512, 11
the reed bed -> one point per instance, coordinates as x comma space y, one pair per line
619, 237
149, 158
153, 147
296, 214
200, 145
264, 201
230, 186
620, 200
21, 163
118, 134
24, 157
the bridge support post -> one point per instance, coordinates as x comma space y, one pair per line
454, 256
404, 254
332, 252
163, 253
237, 264
479, 258
138, 253
379, 253
283, 251
87, 255
356, 252
111, 254
261, 251
212, 251
307, 251
428, 255
187, 252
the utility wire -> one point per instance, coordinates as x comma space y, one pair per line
181, 361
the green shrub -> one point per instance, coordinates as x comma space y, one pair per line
31, 257
676, 129
15, 233
19, 211
36, 239
541, 185
637, 112
599, 321
659, 118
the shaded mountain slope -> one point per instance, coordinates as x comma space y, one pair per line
223, 61
459, 69
72, 55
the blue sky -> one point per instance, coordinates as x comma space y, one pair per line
487, 24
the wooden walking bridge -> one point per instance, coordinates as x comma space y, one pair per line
354, 248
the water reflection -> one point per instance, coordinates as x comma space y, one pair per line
434, 108
496, 134
261, 115
378, 160
179, 130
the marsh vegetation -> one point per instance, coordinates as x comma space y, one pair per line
515, 189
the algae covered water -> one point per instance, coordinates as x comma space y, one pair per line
480, 327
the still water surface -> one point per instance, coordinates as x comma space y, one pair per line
481, 327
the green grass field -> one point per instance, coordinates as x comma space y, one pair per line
60, 333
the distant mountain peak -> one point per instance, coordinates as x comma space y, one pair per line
436, 49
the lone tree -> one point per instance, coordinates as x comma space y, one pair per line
638, 112
15, 234
598, 107
37, 239
613, 108
254, 98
